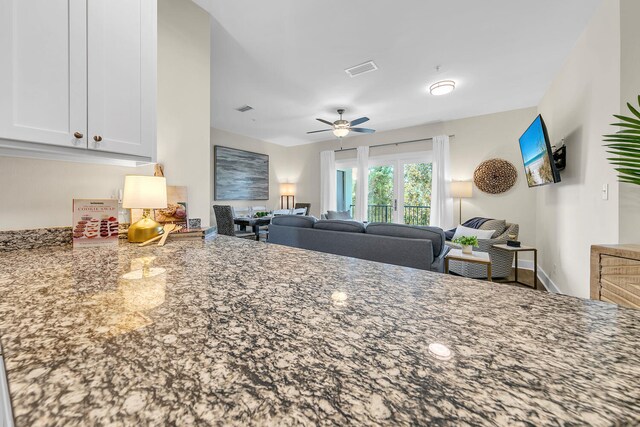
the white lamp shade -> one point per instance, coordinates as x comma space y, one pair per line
461, 189
287, 189
144, 192
341, 132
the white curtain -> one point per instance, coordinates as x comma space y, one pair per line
327, 181
441, 202
362, 185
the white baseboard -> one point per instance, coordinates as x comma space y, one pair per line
542, 276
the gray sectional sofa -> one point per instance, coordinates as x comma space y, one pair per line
409, 246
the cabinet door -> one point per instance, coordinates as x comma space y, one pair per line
122, 76
43, 71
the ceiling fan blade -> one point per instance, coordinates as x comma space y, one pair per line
325, 121
324, 130
362, 130
359, 121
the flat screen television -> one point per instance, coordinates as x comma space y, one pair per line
539, 167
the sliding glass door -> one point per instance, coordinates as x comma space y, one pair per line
399, 188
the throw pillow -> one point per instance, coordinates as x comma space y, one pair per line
499, 225
338, 215
468, 232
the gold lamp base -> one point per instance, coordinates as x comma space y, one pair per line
144, 229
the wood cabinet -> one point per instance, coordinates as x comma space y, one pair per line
79, 74
615, 274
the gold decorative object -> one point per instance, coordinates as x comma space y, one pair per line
495, 176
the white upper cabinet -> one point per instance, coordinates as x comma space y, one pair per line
121, 46
79, 74
43, 71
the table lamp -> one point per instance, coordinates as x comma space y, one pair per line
287, 190
146, 193
461, 190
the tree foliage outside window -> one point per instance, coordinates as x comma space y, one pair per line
417, 193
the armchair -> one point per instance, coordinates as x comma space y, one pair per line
501, 261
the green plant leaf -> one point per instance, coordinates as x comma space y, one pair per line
627, 171
626, 164
628, 180
627, 119
626, 125
634, 159
619, 138
633, 110
628, 131
624, 147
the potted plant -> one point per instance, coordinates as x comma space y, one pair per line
467, 243
625, 144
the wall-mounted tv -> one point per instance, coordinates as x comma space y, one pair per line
539, 167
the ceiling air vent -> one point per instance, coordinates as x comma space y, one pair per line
367, 67
244, 109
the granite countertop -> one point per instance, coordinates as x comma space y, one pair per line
229, 331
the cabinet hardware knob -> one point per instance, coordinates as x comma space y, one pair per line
97, 138
78, 135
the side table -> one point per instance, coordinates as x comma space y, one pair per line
516, 251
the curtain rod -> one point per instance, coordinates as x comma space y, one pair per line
390, 143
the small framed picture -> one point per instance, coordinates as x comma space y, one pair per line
194, 223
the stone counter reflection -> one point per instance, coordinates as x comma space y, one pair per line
229, 331
138, 291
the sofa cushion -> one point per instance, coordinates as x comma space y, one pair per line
338, 215
294, 221
435, 234
340, 225
499, 225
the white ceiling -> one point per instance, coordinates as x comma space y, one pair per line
286, 58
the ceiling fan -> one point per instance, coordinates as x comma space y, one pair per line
341, 127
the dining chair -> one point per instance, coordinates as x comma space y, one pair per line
307, 206
225, 224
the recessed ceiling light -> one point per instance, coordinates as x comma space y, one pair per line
442, 88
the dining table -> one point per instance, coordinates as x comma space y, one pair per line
254, 223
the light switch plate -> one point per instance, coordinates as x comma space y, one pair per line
605, 192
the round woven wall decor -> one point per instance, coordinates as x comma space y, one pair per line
495, 176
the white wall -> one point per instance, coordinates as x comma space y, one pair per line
571, 216
184, 101
39, 193
476, 139
278, 166
629, 90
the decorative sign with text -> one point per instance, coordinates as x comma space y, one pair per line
95, 222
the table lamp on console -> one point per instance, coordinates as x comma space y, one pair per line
287, 190
146, 193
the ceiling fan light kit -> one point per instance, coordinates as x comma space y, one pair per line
443, 87
342, 128
341, 132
